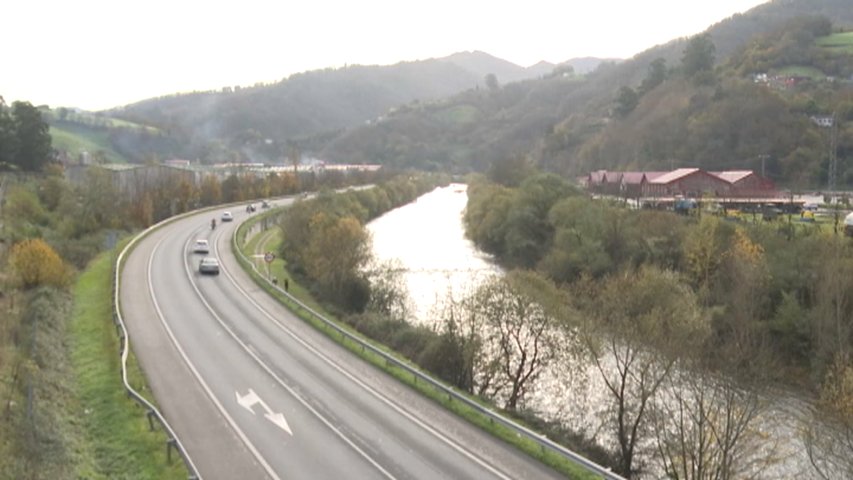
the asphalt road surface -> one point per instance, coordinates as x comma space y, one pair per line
253, 392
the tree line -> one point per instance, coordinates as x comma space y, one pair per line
685, 319
325, 241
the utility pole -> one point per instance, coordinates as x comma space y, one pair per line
763, 158
833, 166
833, 155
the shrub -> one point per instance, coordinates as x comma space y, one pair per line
36, 264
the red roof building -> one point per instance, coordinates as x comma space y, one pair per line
635, 184
687, 182
746, 183
682, 182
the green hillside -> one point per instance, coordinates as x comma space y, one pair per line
109, 139
78, 139
93, 120
687, 103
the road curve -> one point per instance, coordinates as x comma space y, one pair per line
254, 392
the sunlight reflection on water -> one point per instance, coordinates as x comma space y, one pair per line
427, 237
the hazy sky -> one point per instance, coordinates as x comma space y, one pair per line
98, 54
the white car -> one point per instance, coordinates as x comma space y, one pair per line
209, 265
227, 217
201, 246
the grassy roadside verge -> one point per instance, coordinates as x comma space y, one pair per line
117, 434
267, 242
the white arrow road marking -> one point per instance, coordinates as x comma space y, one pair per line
249, 400
280, 421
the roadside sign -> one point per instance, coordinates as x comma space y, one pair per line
269, 257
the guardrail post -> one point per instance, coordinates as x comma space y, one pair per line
170, 444
150, 416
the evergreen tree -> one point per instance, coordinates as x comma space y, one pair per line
655, 76
698, 56
8, 140
626, 101
33, 136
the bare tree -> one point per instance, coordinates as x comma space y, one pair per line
641, 322
706, 428
388, 292
521, 313
833, 313
828, 431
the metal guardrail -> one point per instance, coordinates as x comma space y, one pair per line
544, 443
151, 411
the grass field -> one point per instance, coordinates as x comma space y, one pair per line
117, 442
458, 115
801, 71
76, 140
90, 119
838, 42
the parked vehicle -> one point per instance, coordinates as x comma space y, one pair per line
770, 213
848, 225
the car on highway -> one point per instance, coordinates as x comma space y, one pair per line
201, 246
227, 217
208, 265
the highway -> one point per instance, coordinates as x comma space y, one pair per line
254, 392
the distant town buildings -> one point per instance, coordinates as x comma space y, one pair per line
133, 179
825, 121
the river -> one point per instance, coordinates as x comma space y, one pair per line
426, 240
